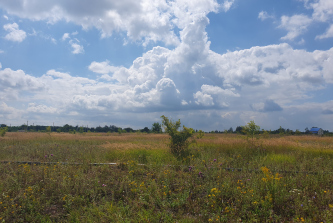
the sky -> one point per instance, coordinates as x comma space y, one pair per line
213, 64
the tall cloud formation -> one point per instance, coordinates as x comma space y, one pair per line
200, 86
146, 20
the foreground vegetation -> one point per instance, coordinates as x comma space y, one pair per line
282, 179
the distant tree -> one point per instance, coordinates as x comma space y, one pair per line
156, 127
99, 129
66, 128
282, 130
306, 130
128, 129
113, 128
230, 130
239, 129
105, 129
297, 132
48, 129
145, 129
120, 131
81, 130
23, 127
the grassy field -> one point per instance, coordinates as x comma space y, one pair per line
280, 179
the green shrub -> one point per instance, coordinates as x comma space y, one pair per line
201, 134
179, 139
251, 129
3, 131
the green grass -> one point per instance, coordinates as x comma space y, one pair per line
165, 189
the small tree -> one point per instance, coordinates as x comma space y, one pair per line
48, 129
3, 131
282, 131
179, 139
251, 129
200, 134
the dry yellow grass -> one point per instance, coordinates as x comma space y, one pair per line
84, 136
151, 141
304, 141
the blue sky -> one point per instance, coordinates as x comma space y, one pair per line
212, 64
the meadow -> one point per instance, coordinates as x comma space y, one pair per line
225, 178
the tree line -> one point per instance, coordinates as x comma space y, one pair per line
71, 128
155, 128
280, 131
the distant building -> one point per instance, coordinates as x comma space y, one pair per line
317, 131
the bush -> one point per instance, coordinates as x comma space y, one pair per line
201, 134
251, 129
179, 139
3, 131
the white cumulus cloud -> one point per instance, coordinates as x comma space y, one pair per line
298, 24
142, 20
15, 34
295, 25
102, 67
65, 36
77, 48
203, 99
323, 10
227, 4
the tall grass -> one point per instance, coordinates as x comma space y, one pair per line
198, 188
